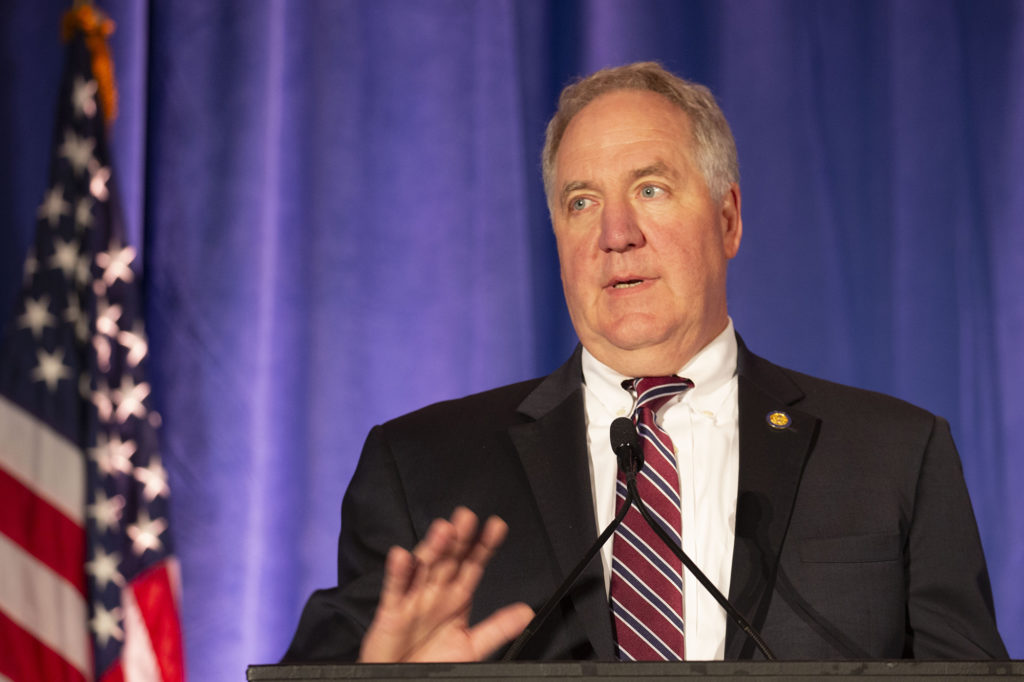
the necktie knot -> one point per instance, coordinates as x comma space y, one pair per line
653, 392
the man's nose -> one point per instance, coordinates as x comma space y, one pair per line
620, 229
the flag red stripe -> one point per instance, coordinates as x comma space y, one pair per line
155, 597
44, 532
23, 657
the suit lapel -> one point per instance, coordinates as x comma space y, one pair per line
771, 464
553, 451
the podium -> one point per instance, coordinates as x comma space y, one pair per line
610, 671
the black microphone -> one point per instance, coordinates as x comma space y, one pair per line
626, 445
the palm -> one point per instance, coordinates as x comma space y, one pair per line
423, 614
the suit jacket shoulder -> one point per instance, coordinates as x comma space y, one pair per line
855, 536
507, 452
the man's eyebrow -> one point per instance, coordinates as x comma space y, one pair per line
571, 187
656, 168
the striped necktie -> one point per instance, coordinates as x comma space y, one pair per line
647, 578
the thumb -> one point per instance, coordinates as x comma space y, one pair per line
500, 628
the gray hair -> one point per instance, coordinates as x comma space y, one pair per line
714, 147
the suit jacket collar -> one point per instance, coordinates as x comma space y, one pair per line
553, 451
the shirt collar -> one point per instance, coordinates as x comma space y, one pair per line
711, 370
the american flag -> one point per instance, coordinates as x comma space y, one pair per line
88, 584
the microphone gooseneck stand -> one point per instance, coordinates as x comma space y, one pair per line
624, 437
626, 445
563, 589
736, 616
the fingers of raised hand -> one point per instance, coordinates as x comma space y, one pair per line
484, 546
425, 598
399, 568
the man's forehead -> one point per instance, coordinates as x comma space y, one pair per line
628, 109
625, 118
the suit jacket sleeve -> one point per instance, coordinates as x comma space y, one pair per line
949, 610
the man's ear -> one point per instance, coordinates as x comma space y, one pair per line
732, 220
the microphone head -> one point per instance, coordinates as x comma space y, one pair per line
626, 445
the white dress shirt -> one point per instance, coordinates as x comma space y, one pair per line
704, 427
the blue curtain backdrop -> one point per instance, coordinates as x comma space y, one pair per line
341, 217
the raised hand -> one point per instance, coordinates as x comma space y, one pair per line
423, 614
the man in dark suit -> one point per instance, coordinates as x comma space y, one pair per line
836, 519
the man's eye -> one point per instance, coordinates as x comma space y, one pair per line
649, 191
578, 204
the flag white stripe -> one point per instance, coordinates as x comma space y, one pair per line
44, 605
42, 460
138, 661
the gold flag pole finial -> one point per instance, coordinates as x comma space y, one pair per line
95, 27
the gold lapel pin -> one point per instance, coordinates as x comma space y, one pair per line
778, 419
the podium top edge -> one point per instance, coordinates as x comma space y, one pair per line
612, 671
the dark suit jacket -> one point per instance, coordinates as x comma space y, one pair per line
854, 532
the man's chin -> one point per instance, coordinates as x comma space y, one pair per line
636, 333
634, 354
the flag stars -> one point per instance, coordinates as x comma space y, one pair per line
106, 511
65, 257
83, 213
54, 207
116, 264
107, 317
104, 405
73, 313
101, 345
83, 271
120, 454
153, 479
50, 368
37, 316
145, 533
104, 568
129, 398
106, 625
83, 97
99, 176
31, 267
113, 455
135, 343
77, 150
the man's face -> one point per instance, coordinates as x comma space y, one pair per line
643, 246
